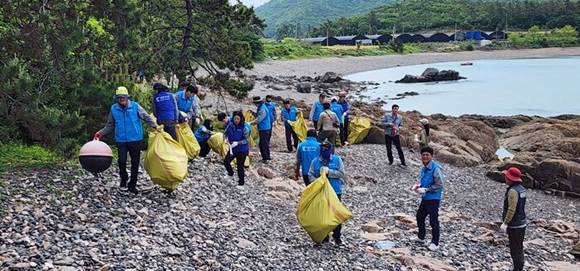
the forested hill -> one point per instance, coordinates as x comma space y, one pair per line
442, 15
310, 13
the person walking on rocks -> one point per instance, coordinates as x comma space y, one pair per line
328, 124
272, 107
331, 165
430, 186
289, 113
264, 122
305, 153
237, 136
202, 135
337, 109
345, 117
184, 99
514, 215
394, 123
316, 109
424, 138
165, 109
125, 120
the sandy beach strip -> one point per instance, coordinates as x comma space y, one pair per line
350, 65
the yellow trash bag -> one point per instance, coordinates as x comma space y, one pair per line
299, 126
359, 128
165, 160
320, 210
217, 144
246, 163
254, 136
187, 140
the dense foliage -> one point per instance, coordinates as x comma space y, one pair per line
295, 18
61, 60
447, 15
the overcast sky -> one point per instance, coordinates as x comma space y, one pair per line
254, 3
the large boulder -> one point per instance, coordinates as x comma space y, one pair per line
431, 75
329, 77
304, 87
376, 135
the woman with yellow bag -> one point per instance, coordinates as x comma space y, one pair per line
334, 168
237, 135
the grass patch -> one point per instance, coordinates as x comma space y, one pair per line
14, 155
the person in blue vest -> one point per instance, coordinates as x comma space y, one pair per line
185, 98
264, 123
514, 220
272, 107
345, 117
289, 113
237, 134
430, 186
337, 109
165, 109
202, 135
125, 120
331, 165
305, 153
317, 109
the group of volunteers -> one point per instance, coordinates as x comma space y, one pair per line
314, 156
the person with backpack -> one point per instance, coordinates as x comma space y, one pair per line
125, 121
165, 109
328, 124
514, 220
289, 113
330, 164
202, 135
430, 186
305, 153
237, 135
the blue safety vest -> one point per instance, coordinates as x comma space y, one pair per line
308, 150
337, 109
427, 180
333, 163
164, 106
184, 104
290, 114
318, 108
266, 123
128, 126
236, 133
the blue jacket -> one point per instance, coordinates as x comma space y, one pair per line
128, 126
272, 108
432, 179
289, 114
337, 109
335, 174
317, 109
266, 123
184, 104
164, 106
306, 152
238, 133
202, 134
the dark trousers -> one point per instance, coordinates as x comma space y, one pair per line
390, 140
265, 136
204, 149
327, 134
134, 149
516, 240
290, 135
428, 208
344, 131
240, 159
315, 123
169, 127
306, 179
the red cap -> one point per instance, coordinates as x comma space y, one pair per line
513, 174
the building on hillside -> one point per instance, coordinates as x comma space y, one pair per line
497, 35
350, 40
380, 39
419, 38
404, 38
324, 41
438, 37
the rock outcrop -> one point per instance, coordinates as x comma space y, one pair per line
431, 75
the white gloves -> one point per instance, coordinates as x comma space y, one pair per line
421, 190
323, 170
415, 186
503, 227
235, 144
